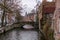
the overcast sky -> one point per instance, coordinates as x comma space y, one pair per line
28, 5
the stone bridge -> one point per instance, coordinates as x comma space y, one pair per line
23, 23
15, 25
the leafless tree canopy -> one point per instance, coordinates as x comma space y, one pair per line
10, 8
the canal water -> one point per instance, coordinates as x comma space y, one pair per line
18, 34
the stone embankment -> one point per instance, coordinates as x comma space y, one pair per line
9, 27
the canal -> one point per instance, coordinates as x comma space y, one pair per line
18, 34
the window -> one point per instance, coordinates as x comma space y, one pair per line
49, 0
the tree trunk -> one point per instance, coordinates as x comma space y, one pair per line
2, 19
2, 24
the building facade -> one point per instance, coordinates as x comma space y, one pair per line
56, 22
31, 17
46, 12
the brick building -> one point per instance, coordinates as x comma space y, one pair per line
46, 9
29, 17
46, 12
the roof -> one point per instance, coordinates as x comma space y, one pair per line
30, 14
49, 7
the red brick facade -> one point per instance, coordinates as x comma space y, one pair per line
29, 17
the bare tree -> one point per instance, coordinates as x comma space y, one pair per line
10, 7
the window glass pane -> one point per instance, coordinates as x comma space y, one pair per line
49, 0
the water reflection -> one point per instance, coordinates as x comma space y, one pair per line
20, 35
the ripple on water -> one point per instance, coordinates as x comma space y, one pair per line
20, 35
